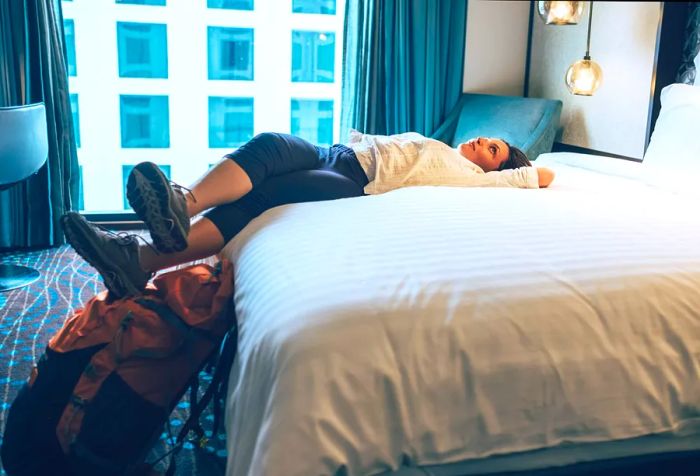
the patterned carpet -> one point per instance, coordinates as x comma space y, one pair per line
31, 315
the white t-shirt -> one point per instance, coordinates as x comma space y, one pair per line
410, 159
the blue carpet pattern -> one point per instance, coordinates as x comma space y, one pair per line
31, 315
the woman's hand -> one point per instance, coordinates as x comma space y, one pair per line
544, 176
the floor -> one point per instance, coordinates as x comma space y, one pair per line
31, 315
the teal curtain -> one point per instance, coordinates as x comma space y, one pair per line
403, 62
33, 68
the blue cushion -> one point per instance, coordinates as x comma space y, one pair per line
527, 123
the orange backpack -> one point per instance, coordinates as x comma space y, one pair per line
99, 397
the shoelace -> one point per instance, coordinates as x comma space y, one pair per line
179, 187
124, 238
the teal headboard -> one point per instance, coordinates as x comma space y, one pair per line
527, 123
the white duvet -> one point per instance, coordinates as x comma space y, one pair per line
432, 324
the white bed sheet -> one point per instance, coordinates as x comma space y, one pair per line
432, 325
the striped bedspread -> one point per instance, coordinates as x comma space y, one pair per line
434, 324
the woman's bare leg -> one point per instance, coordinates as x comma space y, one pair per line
204, 240
223, 183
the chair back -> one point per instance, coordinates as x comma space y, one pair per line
24, 143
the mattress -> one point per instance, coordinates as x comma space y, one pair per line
431, 326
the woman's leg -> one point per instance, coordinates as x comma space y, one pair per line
266, 155
219, 225
166, 209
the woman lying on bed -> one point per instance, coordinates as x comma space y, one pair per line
276, 169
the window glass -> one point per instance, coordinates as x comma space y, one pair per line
144, 121
313, 56
230, 121
314, 6
76, 117
184, 82
143, 50
69, 28
231, 4
143, 2
312, 119
230, 53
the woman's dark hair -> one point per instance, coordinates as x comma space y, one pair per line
516, 159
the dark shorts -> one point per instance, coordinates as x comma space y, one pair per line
271, 154
286, 169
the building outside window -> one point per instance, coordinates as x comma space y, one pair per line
76, 117
231, 4
143, 50
230, 121
326, 7
230, 53
144, 121
143, 2
69, 29
313, 56
181, 83
312, 119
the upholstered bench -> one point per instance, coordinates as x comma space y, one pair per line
528, 123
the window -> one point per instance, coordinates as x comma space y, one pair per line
126, 170
143, 2
144, 121
76, 117
69, 28
183, 82
143, 50
312, 120
231, 4
230, 121
314, 6
313, 56
230, 53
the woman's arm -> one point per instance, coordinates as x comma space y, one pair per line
544, 176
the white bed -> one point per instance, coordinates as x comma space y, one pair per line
466, 331
435, 325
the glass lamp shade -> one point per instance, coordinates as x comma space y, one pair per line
584, 77
560, 13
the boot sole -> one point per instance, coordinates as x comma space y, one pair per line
148, 194
78, 233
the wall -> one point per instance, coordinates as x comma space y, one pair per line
623, 43
496, 47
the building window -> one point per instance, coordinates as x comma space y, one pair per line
69, 28
143, 50
230, 121
326, 7
231, 4
160, 3
313, 56
144, 121
126, 170
76, 117
230, 53
313, 120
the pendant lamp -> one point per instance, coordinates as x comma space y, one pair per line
584, 76
560, 13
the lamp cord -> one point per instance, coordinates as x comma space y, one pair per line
588, 42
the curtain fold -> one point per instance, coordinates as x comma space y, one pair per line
403, 62
33, 68
687, 72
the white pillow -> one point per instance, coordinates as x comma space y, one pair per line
675, 142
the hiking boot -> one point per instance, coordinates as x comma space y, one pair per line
114, 256
161, 205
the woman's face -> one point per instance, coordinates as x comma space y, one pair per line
486, 152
